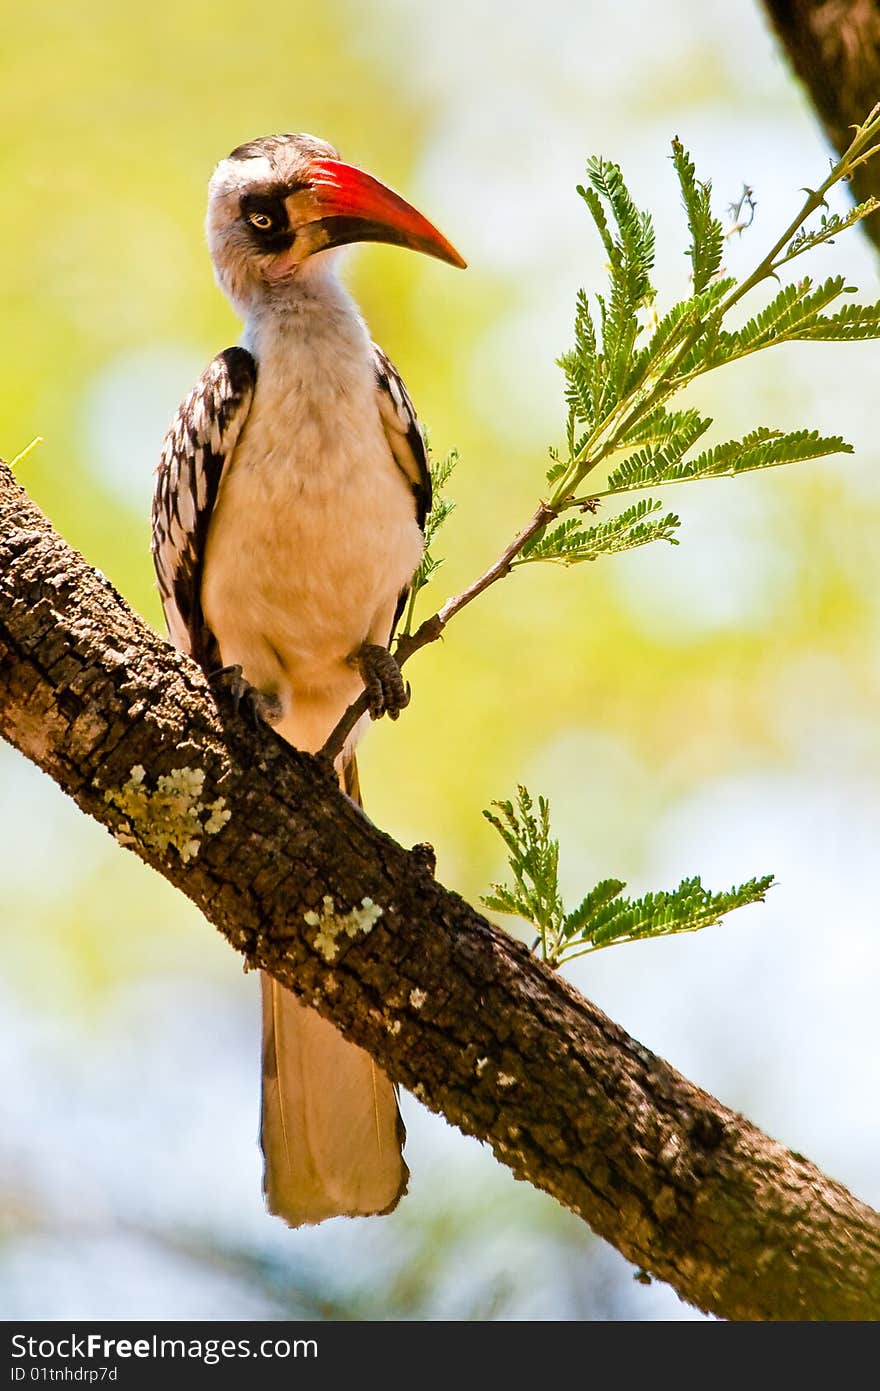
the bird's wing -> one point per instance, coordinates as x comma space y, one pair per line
198, 445
403, 432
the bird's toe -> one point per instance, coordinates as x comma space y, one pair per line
263, 707
386, 689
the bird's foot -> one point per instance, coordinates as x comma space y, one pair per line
263, 707
386, 689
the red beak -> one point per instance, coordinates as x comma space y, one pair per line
353, 206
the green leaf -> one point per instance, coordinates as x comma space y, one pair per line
571, 543
604, 893
661, 460
794, 313
441, 506
829, 226
633, 249
689, 908
533, 856
696, 312
661, 426
763, 448
557, 467
604, 916
630, 248
583, 367
707, 233
594, 203
794, 307
851, 322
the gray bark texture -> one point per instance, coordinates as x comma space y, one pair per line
834, 47
261, 839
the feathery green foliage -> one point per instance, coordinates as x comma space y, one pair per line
620, 377
659, 461
851, 322
630, 249
533, 856
707, 233
794, 314
762, 448
570, 543
621, 374
604, 917
661, 427
805, 239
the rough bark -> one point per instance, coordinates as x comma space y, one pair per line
834, 47
452, 1007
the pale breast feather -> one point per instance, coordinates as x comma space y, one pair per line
198, 446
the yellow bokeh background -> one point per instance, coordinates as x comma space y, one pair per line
709, 708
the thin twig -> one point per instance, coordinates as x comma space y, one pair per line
432, 628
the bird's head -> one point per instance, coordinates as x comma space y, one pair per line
276, 204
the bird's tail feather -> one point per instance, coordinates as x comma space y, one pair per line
331, 1131
350, 779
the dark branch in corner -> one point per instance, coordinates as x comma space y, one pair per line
834, 47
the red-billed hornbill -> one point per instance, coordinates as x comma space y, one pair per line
288, 514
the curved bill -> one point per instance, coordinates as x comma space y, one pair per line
353, 206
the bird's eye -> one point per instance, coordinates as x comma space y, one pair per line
262, 221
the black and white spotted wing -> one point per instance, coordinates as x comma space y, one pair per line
198, 445
404, 435
403, 432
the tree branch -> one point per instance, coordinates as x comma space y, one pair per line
451, 1006
834, 47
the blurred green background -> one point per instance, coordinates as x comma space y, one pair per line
710, 708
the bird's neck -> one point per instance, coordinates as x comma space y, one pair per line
313, 312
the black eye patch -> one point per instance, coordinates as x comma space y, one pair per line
274, 235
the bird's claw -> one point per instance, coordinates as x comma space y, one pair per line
263, 707
231, 679
386, 689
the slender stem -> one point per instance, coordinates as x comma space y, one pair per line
28, 449
432, 628
543, 514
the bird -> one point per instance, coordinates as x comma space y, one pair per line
288, 522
